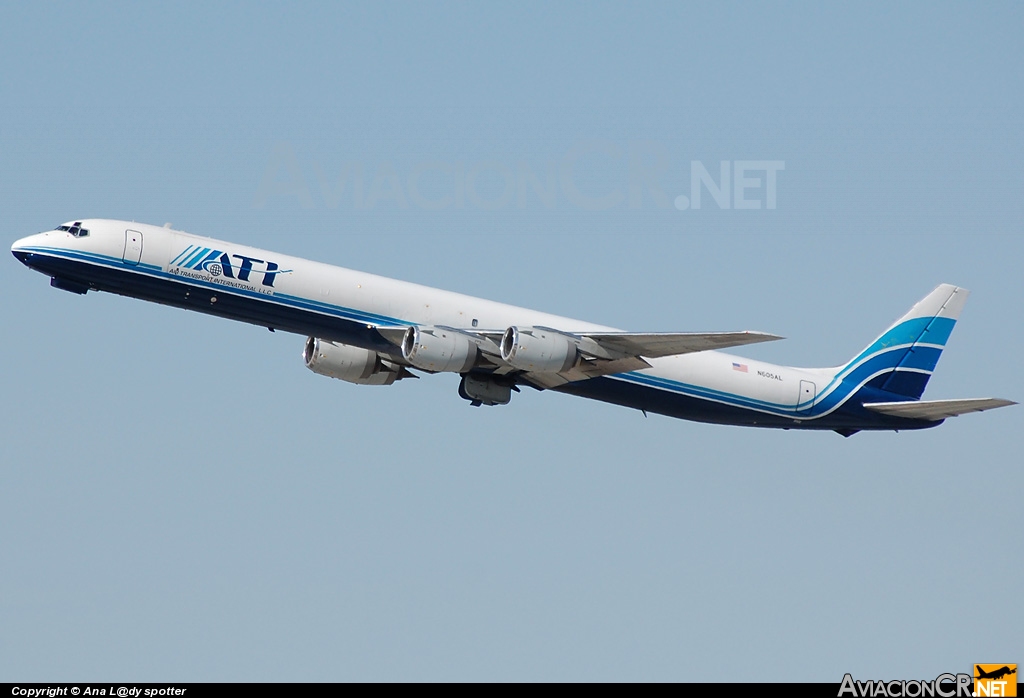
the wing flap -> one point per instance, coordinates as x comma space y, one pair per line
936, 410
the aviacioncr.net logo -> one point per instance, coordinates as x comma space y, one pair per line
995, 680
944, 686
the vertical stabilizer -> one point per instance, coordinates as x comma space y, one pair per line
902, 359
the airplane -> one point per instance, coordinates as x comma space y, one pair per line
371, 330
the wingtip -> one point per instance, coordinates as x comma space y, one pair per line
765, 336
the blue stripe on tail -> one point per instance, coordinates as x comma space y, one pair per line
912, 365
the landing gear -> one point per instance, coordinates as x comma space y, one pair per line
486, 390
69, 285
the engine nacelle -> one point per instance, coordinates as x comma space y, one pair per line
437, 349
534, 349
348, 363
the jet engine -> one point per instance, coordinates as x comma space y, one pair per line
438, 349
534, 349
348, 363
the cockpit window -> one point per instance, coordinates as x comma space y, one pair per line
76, 229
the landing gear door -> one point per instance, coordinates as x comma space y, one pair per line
805, 400
132, 247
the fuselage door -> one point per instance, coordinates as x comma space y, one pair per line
132, 247
805, 400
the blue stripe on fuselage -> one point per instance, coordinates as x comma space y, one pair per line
824, 402
277, 297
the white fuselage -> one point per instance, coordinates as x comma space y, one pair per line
282, 284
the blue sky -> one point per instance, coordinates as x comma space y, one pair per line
182, 500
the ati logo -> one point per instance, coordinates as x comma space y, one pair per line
236, 266
995, 680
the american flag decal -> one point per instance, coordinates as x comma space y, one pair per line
742, 368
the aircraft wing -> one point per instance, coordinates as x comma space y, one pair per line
937, 409
618, 345
602, 353
607, 353
652, 345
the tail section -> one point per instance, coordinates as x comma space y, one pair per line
902, 359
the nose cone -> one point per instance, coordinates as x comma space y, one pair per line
18, 249
23, 248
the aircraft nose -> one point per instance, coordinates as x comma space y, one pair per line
21, 249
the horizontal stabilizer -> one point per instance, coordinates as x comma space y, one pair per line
937, 409
652, 345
